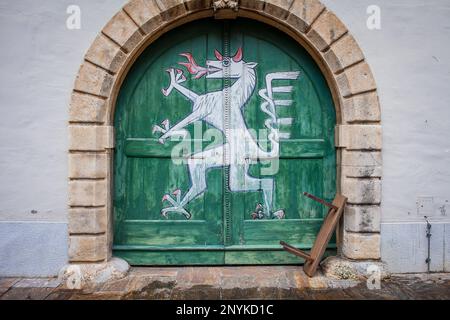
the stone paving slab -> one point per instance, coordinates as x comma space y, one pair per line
231, 283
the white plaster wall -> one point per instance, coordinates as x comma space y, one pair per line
39, 59
409, 58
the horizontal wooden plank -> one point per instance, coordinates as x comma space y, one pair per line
180, 233
208, 247
266, 257
271, 232
155, 258
152, 148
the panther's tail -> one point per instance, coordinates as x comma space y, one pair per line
269, 106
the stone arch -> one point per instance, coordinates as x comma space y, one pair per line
139, 23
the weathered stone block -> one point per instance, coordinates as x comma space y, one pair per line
326, 29
198, 4
362, 107
92, 275
278, 8
94, 80
145, 13
303, 13
87, 193
83, 220
252, 4
362, 191
361, 246
343, 53
87, 248
359, 137
106, 54
361, 164
88, 165
90, 138
171, 9
355, 80
87, 108
362, 218
341, 268
123, 31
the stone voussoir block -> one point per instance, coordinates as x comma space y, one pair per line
359, 137
361, 246
252, 4
355, 80
106, 54
87, 108
343, 53
361, 164
94, 80
87, 193
326, 30
362, 218
362, 108
199, 4
90, 138
278, 8
303, 13
145, 13
87, 220
123, 31
362, 191
87, 248
171, 9
88, 165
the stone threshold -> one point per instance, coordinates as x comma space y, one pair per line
249, 282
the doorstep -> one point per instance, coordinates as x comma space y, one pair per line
280, 282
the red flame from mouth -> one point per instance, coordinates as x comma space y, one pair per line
192, 66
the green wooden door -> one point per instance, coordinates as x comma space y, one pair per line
220, 127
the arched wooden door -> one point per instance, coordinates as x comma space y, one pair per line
220, 127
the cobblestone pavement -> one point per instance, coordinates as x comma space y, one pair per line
228, 283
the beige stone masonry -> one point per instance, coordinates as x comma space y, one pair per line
362, 218
359, 137
94, 80
325, 30
145, 13
362, 191
361, 164
106, 54
171, 9
87, 248
88, 165
123, 31
356, 79
198, 4
361, 246
362, 108
343, 53
278, 8
91, 114
90, 138
87, 193
87, 221
87, 108
303, 13
257, 5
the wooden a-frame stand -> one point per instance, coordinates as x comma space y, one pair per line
329, 225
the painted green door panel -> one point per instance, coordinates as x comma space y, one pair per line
217, 226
